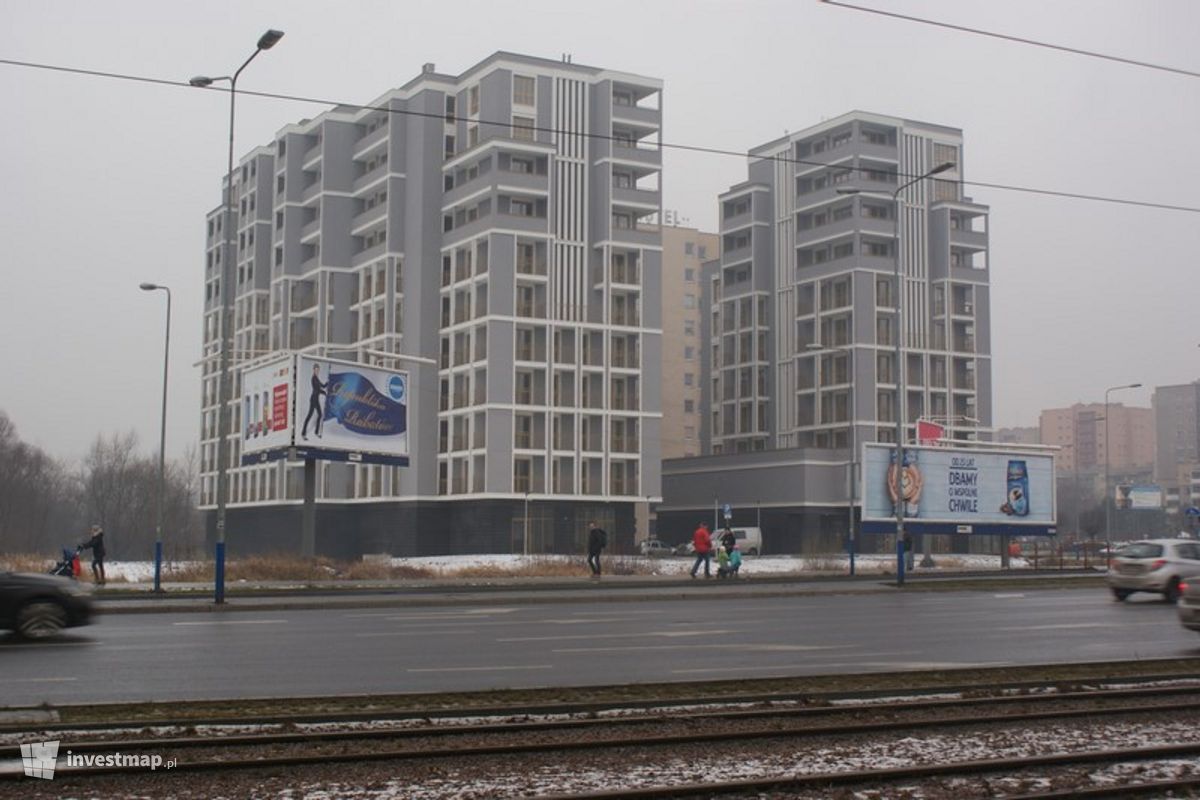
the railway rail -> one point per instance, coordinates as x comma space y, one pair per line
653, 731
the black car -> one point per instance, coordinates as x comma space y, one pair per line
36, 606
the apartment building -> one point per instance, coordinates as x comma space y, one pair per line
800, 330
500, 226
684, 252
1080, 431
1177, 441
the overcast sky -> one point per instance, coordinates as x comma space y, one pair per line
106, 182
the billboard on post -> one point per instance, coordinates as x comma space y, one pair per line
308, 407
958, 490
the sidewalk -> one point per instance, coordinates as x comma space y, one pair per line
278, 595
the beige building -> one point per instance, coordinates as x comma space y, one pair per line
684, 249
1079, 431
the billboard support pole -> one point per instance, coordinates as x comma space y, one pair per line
308, 526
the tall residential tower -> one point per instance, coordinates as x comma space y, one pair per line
499, 224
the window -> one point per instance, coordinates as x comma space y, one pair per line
450, 102
521, 208
473, 100
689, 327
689, 248
523, 90
689, 406
689, 301
689, 274
522, 128
689, 352
689, 379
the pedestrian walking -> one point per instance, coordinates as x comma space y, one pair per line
702, 544
597, 541
96, 545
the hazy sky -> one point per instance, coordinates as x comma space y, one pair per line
106, 182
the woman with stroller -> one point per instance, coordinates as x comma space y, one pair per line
96, 545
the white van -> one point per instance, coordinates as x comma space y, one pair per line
749, 540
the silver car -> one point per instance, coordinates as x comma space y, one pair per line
1154, 565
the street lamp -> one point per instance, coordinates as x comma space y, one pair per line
265, 42
526, 542
162, 442
853, 460
1108, 494
900, 388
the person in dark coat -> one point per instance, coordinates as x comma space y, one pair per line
597, 541
728, 540
96, 545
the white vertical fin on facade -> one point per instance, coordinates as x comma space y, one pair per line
568, 283
786, 346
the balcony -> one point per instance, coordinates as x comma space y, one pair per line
737, 221
368, 216
368, 255
643, 234
968, 240
368, 178
638, 155
639, 116
640, 198
311, 190
367, 142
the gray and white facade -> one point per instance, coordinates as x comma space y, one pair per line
800, 355
502, 225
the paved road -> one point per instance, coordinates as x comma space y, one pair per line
580, 641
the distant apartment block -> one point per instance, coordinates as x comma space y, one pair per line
1177, 439
1080, 431
684, 252
1019, 435
500, 223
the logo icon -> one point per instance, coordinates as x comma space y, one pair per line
39, 758
396, 388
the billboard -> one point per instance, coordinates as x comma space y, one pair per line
1138, 497
957, 490
267, 400
308, 407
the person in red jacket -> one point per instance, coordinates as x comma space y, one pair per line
702, 544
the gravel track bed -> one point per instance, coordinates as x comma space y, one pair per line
564, 772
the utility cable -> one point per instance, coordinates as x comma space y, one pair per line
1018, 39
339, 105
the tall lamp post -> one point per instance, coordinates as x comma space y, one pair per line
900, 387
265, 42
1108, 493
852, 462
162, 442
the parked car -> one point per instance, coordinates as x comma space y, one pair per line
1189, 604
37, 606
1154, 565
653, 547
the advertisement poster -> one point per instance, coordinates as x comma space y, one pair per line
350, 407
959, 487
266, 419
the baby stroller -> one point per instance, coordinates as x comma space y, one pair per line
68, 567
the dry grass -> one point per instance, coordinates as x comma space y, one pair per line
282, 567
26, 562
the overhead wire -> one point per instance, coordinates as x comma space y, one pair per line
701, 149
1018, 39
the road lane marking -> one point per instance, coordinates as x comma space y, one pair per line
589, 636
1068, 626
427, 632
38, 680
480, 669
757, 648
471, 612
236, 622
1009, 596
